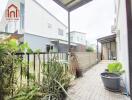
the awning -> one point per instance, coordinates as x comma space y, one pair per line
110, 38
63, 42
70, 5
66, 42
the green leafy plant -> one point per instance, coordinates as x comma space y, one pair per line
8, 63
55, 80
116, 68
28, 93
8, 66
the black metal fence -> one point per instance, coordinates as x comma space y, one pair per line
32, 63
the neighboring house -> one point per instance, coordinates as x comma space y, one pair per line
80, 39
108, 47
41, 29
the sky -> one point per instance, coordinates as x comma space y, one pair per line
94, 18
2, 7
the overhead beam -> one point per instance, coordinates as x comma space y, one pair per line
72, 7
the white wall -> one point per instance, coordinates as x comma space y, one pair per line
78, 37
37, 19
122, 39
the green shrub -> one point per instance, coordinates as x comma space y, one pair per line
8, 62
27, 93
90, 49
55, 80
8, 66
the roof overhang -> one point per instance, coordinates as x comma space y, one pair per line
107, 39
63, 42
71, 5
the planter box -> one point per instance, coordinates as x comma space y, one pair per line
111, 81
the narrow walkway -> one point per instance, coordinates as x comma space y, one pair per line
90, 86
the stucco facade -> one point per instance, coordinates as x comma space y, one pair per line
40, 22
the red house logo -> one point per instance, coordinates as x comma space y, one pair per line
12, 12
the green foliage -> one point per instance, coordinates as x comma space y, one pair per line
116, 68
8, 66
54, 84
25, 48
27, 93
37, 50
90, 49
55, 80
55, 75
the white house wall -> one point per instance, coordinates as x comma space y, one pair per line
37, 42
37, 20
122, 39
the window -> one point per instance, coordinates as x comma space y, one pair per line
49, 48
78, 39
60, 31
6, 28
49, 25
22, 15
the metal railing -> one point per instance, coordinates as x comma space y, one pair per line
32, 63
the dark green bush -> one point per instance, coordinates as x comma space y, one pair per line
90, 49
55, 82
8, 66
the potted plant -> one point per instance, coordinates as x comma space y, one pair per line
112, 76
